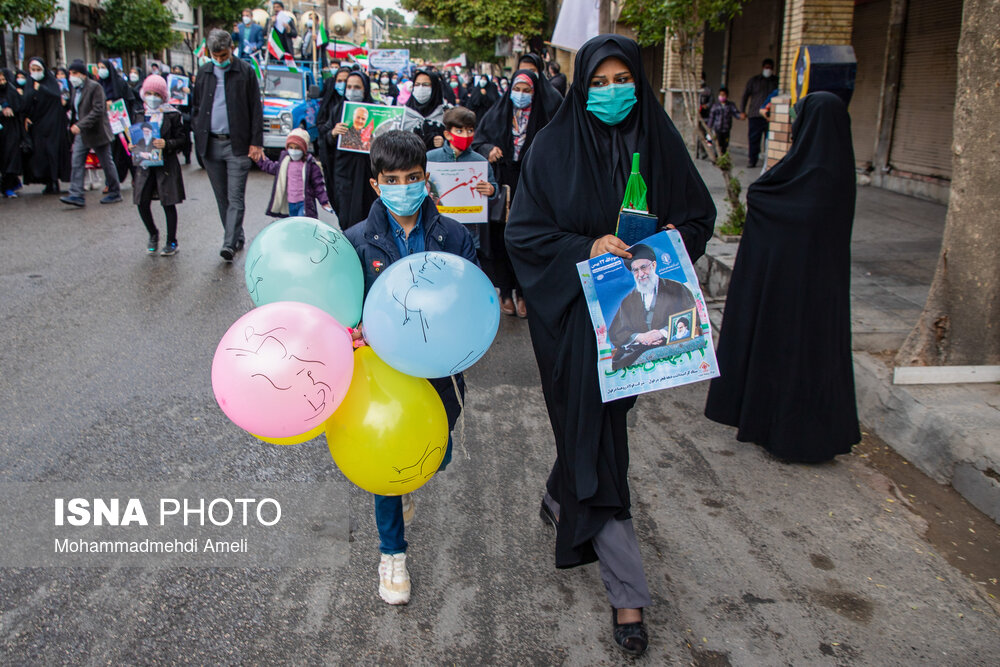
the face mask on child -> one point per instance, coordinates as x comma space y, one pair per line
403, 199
295, 153
153, 101
722, 99
461, 144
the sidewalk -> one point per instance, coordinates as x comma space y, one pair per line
950, 432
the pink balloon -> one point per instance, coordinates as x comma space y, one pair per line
282, 369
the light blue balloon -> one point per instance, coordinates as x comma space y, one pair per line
303, 259
431, 315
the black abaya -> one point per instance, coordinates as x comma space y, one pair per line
330, 108
352, 172
432, 110
556, 217
49, 131
784, 351
12, 132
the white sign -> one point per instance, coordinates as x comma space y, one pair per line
453, 186
388, 60
60, 20
29, 27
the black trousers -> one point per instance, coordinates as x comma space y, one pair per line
756, 127
722, 142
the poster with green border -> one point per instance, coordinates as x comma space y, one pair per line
365, 122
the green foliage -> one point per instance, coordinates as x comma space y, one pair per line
475, 49
13, 12
389, 15
684, 18
223, 13
136, 26
483, 20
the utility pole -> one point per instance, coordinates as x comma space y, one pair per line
604, 17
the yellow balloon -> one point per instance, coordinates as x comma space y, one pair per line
295, 439
390, 434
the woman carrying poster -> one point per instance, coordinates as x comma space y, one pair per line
789, 299
564, 216
352, 171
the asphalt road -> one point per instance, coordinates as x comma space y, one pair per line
104, 376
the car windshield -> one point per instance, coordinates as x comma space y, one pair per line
286, 85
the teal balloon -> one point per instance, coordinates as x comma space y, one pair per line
431, 315
306, 260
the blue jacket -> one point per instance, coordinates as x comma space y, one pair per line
372, 239
249, 38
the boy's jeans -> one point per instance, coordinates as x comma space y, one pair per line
389, 516
296, 208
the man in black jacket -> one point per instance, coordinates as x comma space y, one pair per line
759, 87
228, 123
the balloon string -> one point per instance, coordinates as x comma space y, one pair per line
461, 419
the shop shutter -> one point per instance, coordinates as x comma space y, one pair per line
871, 25
921, 138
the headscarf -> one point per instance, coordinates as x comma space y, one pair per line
482, 97
9, 91
331, 98
367, 99
49, 83
548, 95
434, 101
522, 117
499, 125
115, 86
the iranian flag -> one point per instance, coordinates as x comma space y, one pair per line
340, 48
321, 36
274, 48
256, 66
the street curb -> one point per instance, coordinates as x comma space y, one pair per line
950, 432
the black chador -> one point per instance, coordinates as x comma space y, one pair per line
555, 219
784, 351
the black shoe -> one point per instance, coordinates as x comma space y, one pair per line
51, 190
79, 202
631, 638
227, 253
547, 515
751, 164
169, 249
152, 245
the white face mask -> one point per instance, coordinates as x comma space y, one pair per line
295, 153
103, 73
76, 81
37, 76
354, 95
421, 93
134, 78
768, 72
246, 20
153, 101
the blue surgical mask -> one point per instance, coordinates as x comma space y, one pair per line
221, 65
520, 100
340, 87
612, 103
103, 73
404, 200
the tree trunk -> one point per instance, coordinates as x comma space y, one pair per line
960, 324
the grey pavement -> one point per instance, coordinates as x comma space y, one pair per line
104, 376
951, 432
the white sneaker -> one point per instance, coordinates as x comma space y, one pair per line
409, 509
393, 579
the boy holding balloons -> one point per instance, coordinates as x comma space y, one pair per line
404, 221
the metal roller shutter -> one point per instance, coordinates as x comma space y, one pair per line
871, 25
921, 138
756, 34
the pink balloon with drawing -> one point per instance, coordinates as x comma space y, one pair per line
282, 369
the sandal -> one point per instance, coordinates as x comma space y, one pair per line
631, 638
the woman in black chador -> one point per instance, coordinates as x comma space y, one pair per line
785, 348
49, 129
567, 215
